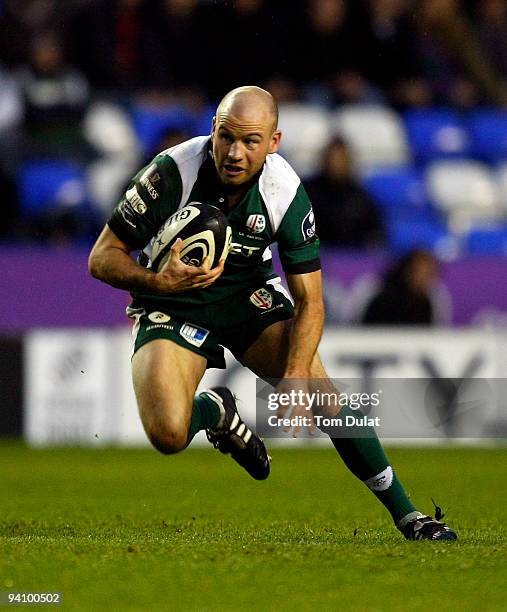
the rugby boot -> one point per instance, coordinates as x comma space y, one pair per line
428, 528
233, 437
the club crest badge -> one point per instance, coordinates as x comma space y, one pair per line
262, 298
256, 223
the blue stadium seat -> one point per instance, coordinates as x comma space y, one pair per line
488, 132
151, 122
487, 241
202, 121
436, 133
47, 185
397, 189
418, 233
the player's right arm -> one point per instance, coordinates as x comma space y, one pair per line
152, 196
110, 262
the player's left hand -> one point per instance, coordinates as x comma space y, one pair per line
175, 276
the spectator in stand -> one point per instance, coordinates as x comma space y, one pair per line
118, 44
9, 206
452, 58
490, 19
405, 296
21, 20
387, 54
324, 54
11, 114
168, 138
55, 98
345, 215
185, 41
249, 42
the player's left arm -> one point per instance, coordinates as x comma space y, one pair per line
306, 289
298, 247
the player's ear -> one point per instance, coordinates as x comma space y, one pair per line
274, 145
213, 124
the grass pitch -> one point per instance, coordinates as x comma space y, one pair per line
133, 530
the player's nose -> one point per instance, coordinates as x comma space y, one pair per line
235, 152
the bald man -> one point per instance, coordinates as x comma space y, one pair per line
184, 315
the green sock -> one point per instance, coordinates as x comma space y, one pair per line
365, 458
205, 414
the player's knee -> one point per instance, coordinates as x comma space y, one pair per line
168, 441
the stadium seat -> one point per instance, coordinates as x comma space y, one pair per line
436, 134
150, 122
488, 132
465, 191
376, 135
46, 185
305, 133
108, 128
396, 188
421, 233
501, 177
107, 178
487, 241
201, 125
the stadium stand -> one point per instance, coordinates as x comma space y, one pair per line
436, 134
465, 191
487, 241
399, 191
375, 133
500, 173
402, 144
151, 121
488, 133
46, 185
305, 131
425, 232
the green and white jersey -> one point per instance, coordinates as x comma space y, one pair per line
276, 208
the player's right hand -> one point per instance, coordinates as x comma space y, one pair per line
299, 412
175, 276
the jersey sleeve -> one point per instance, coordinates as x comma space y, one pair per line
152, 195
298, 244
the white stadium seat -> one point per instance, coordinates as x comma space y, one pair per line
107, 127
305, 133
466, 191
375, 134
501, 176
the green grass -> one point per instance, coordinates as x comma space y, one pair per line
133, 530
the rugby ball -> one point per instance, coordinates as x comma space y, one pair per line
204, 231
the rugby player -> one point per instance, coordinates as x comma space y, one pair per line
185, 315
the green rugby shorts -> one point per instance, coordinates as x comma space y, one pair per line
234, 324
